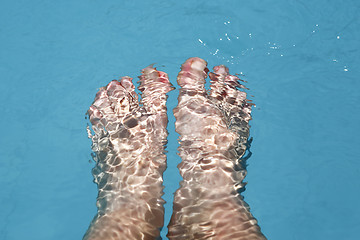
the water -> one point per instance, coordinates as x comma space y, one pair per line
300, 59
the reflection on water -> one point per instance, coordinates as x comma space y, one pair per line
300, 59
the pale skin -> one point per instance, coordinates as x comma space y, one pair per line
128, 142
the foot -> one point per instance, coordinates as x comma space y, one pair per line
128, 144
214, 131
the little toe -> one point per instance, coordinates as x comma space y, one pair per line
95, 116
103, 107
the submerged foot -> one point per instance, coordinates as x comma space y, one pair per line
214, 130
128, 144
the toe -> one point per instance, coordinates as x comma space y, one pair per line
154, 86
126, 82
95, 116
193, 73
225, 90
226, 94
122, 96
103, 106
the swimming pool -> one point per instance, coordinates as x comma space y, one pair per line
300, 59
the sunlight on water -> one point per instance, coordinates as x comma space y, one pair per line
300, 60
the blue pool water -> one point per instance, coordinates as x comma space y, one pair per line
301, 61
